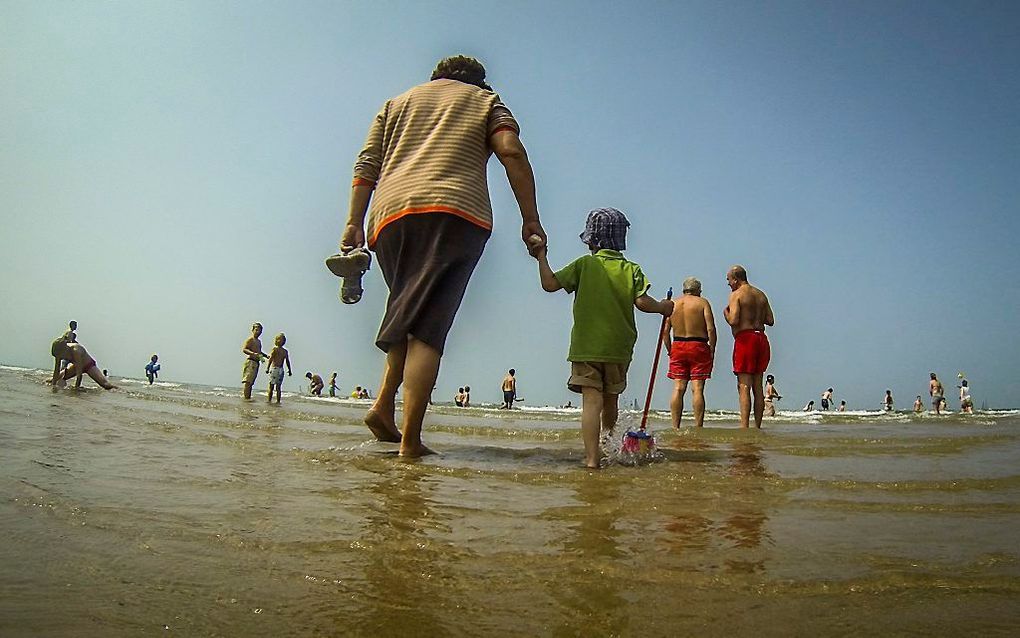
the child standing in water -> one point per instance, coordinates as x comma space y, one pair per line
277, 357
607, 287
332, 385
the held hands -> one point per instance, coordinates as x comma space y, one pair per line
529, 230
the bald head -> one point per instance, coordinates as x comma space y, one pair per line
738, 272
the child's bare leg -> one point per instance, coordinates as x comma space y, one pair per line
279, 390
380, 418
591, 417
270, 398
676, 404
699, 402
610, 411
98, 377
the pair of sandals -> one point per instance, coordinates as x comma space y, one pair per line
351, 266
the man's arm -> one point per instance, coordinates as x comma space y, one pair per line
510, 152
769, 319
732, 311
710, 325
652, 306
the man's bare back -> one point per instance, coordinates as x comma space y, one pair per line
692, 317
748, 309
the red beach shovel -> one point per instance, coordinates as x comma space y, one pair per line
640, 442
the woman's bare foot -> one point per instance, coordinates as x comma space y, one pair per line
413, 452
384, 429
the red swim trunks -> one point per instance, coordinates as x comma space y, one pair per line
751, 352
690, 360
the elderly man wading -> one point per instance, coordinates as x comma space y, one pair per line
423, 168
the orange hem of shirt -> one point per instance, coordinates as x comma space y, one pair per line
386, 221
361, 181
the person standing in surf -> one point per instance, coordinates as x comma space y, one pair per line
937, 393
748, 312
252, 349
423, 167
691, 350
606, 287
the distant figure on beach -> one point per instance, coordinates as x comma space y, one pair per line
842, 406
467, 396
568, 405
826, 398
315, 384
888, 401
810, 407
425, 159
79, 363
152, 368
278, 356
509, 386
105, 373
356, 394
458, 399
771, 395
332, 385
364, 394
252, 349
966, 403
748, 312
936, 392
690, 341
918, 405
607, 287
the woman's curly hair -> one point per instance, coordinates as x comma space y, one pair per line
463, 69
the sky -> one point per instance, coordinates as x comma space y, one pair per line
171, 172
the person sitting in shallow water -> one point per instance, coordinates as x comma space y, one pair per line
810, 407
80, 364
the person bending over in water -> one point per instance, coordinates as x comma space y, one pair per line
691, 350
607, 287
152, 369
80, 364
278, 356
826, 399
316, 385
771, 395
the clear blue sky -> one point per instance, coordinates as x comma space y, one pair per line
172, 171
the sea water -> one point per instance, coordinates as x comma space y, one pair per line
181, 509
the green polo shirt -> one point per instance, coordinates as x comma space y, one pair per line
605, 286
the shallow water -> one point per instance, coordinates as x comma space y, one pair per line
181, 509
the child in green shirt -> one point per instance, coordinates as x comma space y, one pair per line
606, 290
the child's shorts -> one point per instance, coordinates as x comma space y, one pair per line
276, 376
610, 378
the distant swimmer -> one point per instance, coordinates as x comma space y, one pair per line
937, 393
826, 398
252, 349
691, 350
458, 399
771, 395
748, 312
80, 363
364, 394
315, 384
842, 406
888, 401
966, 403
918, 405
152, 368
467, 396
810, 407
509, 390
356, 393
278, 356
332, 385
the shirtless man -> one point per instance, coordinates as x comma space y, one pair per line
315, 384
936, 392
509, 390
690, 341
252, 348
79, 363
826, 399
748, 312
771, 396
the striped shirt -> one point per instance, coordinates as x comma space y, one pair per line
426, 152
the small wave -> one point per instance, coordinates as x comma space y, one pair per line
19, 369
